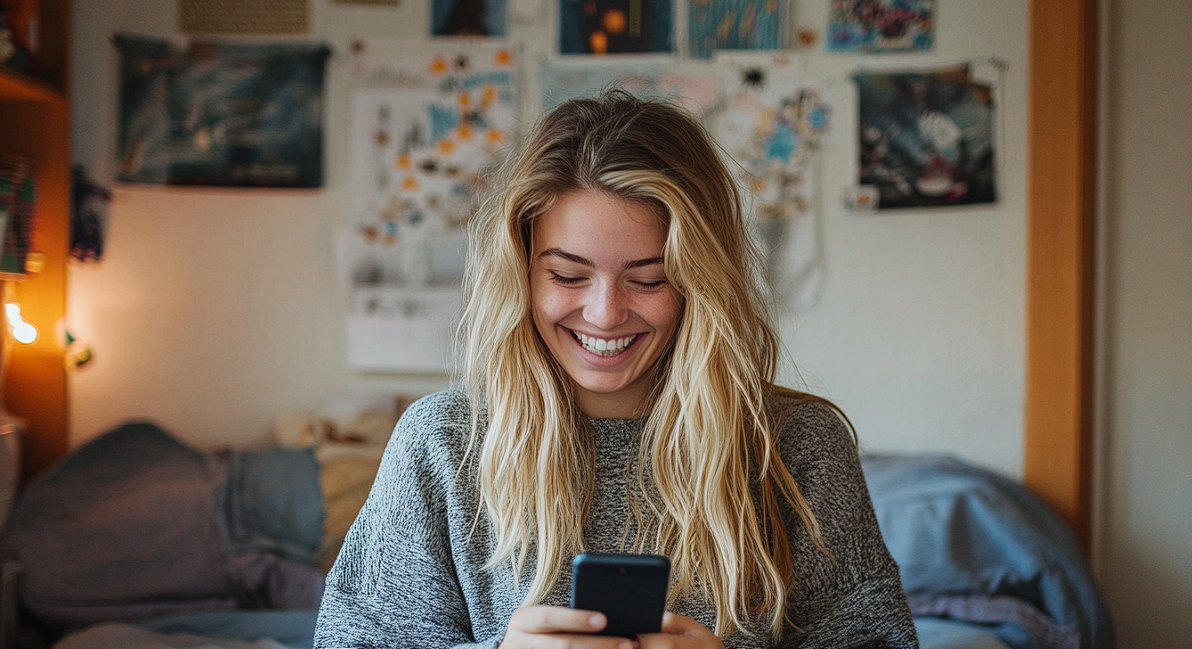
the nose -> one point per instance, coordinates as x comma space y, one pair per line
606, 307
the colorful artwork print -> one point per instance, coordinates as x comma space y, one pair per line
926, 138
614, 26
215, 113
732, 25
468, 17
881, 25
426, 123
694, 90
773, 124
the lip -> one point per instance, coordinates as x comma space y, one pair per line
598, 359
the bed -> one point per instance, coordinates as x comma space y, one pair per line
136, 540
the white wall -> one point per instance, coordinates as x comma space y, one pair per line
1145, 555
215, 309
920, 334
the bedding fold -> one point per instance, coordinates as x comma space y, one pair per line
978, 547
136, 524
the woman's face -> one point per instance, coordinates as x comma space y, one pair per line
600, 298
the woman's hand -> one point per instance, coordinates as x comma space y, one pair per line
555, 627
680, 632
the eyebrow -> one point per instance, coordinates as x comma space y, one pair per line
584, 261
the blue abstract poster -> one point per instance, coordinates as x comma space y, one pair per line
732, 25
220, 113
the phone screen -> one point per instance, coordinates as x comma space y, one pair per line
630, 589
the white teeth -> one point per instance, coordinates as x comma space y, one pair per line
603, 346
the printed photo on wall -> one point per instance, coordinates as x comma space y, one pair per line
468, 17
732, 25
220, 113
427, 120
774, 123
926, 138
881, 25
694, 86
614, 26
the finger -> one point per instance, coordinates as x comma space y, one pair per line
556, 619
680, 631
521, 640
675, 623
564, 641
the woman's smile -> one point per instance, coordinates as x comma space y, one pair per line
604, 346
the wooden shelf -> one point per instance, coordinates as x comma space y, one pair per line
22, 87
35, 114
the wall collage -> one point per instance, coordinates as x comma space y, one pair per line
430, 117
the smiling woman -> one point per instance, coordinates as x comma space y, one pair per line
617, 396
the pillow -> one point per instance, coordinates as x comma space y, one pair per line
123, 527
272, 502
136, 524
346, 483
974, 545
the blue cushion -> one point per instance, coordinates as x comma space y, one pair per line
975, 545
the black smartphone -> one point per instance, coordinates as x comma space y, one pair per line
630, 589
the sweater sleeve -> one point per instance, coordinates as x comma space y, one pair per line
394, 583
852, 596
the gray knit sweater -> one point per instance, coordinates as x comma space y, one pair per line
411, 570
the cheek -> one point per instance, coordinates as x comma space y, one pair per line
545, 302
664, 313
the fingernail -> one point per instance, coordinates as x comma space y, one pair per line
596, 622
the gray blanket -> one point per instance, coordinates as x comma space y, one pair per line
136, 524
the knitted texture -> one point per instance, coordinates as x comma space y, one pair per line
411, 573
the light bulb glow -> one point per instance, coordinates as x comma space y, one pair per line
22, 331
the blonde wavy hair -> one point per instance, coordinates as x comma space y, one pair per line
709, 481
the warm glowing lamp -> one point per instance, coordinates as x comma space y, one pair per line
22, 331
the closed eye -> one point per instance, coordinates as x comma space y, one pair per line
564, 279
652, 286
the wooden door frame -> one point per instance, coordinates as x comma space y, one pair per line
1058, 416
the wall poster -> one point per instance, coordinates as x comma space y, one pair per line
615, 26
733, 25
694, 86
255, 17
774, 122
220, 113
926, 137
427, 119
468, 17
881, 25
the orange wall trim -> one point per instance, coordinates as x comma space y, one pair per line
1058, 409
